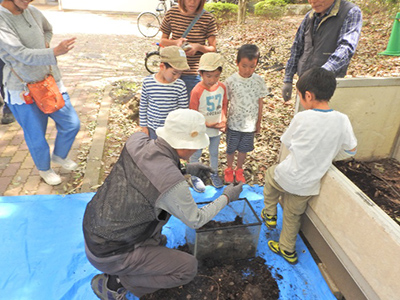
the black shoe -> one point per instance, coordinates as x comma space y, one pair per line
7, 118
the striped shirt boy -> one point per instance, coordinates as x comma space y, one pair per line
159, 99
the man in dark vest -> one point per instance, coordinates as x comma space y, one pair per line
327, 38
123, 222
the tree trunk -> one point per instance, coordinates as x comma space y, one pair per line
242, 11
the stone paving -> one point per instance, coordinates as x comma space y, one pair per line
108, 48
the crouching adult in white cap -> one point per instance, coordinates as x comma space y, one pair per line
123, 222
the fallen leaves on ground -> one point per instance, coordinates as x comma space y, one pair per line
274, 38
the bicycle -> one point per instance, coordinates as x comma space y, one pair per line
152, 60
149, 22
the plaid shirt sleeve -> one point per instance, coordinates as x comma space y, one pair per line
347, 42
295, 52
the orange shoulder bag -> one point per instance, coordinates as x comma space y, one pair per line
45, 94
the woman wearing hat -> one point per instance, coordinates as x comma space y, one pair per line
173, 27
123, 222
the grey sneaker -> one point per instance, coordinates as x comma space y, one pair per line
50, 177
198, 184
99, 287
66, 163
216, 181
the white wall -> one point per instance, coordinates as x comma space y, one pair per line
106, 5
372, 105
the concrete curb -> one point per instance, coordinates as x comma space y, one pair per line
95, 157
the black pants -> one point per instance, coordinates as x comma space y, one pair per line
6, 109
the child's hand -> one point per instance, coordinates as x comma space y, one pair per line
145, 130
212, 125
221, 126
258, 128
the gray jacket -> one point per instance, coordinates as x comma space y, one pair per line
23, 41
123, 212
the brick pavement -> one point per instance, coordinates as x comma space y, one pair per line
108, 48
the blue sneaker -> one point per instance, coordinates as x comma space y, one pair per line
216, 181
198, 184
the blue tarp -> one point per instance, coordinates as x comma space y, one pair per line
42, 250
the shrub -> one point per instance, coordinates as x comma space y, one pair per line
222, 11
270, 8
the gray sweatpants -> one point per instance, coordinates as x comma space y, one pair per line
148, 268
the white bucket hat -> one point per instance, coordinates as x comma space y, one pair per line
184, 129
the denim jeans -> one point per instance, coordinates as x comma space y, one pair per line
190, 81
152, 133
212, 149
34, 124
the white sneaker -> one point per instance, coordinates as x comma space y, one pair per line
66, 163
50, 177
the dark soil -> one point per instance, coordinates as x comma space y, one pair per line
214, 224
379, 180
247, 279
222, 276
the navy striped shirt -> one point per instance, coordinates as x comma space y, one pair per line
159, 99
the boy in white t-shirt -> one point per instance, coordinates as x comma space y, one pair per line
315, 137
246, 91
209, 98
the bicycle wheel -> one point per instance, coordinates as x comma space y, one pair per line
148, 24
152, 61
162, 8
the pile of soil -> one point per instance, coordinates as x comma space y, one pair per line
224, 279
379, 180
241, 279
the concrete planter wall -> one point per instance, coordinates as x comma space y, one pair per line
359, 243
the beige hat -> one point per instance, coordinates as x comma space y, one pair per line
174, 56
210, 61
184, 129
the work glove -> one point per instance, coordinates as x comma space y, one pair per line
287, 91
233, 191
199, 170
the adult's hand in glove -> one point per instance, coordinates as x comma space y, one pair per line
233, 191
199, 170
287, 91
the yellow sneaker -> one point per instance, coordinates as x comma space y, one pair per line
290, 257
269, 221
